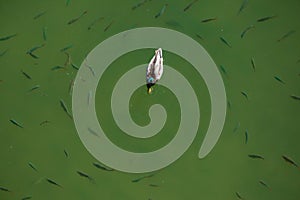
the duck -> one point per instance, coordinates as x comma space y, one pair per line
154, 70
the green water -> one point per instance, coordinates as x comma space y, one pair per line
270, 115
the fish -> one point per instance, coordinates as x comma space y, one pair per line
253, 64
223, 69
68, 2
238, 195
295, 97
266, 18
229, 104
94, 22
44, 122
245, 95
243, 6
63, 105
279, 79
39, 15
35, 48
255, 156
77, 18
189, 5
91, 69
99, 166
32, 166
8, 37
4, 189
89, 98
26, 75
66, 153
141, 178
68, 60
45, 33
71, 86
33, 55
74, 66
139, 4
57, 67
108, 26
290, 161
13, 121
286, 35
225, 42
236, 127
153, 185
53, 182
34, 88
161, 12
66, 48
208, 20
26, 198
246, 30
264, 184
198, 36
246, 136
82, 174
93, 132
3, 53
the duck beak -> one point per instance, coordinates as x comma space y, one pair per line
149, 90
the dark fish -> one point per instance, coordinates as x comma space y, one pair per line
295, 97
74, 66
245, 95
66, 153
198, 36
7, 37
223, 69
189, 5
26, 198
141, 178
71, 86
246, 30
153, 185
33, 55
4, 189
286, 35
82, 174
289, 160
34, 88
238, 195
236, 127
16, 123
53, 182
44, 122
225, 42
99, 166
3, 53
94, 22
32, 166
253, 64
77, 18
161, 12
68, 2
93, 132
63, 105
266, 18
255, 156
68, 60
264, 184
279, 79
208, 20
108, 26
243, 6
229, 104
139, 4
39, 15
26, 75
57, 68
91, 69
45, 33
246, 136
66, 48
35, 48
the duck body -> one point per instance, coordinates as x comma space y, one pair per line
154, 70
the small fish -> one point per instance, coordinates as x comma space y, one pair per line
74, 66
189, 5
85, 175
225, 42
138, 5
44, 122
68, 60
223, 69
77, 18
53, 182
39, 15
45, 33
32, 166
238, 195
255, 156
266, 18
161, 12
286, 35
33, 55
264, 184
279, 79
108, 26
99, 166
153, 185
243, 6
3, 53
93, 132
66, 153
94, 22
289, 160
253, 64
208, 20
26, 198
236, 127
7, 37
246, 30
35, 48
57, 68
245, 95
91, 69
16, 123
246, 136
229, 104
89, 98
71, 85
66, 48
141, 178
67, 2
26, 75
295, 97
34, 88
63, 105
198, 36
4, 189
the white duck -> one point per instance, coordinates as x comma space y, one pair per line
154, 70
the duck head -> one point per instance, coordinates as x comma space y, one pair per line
149, 87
